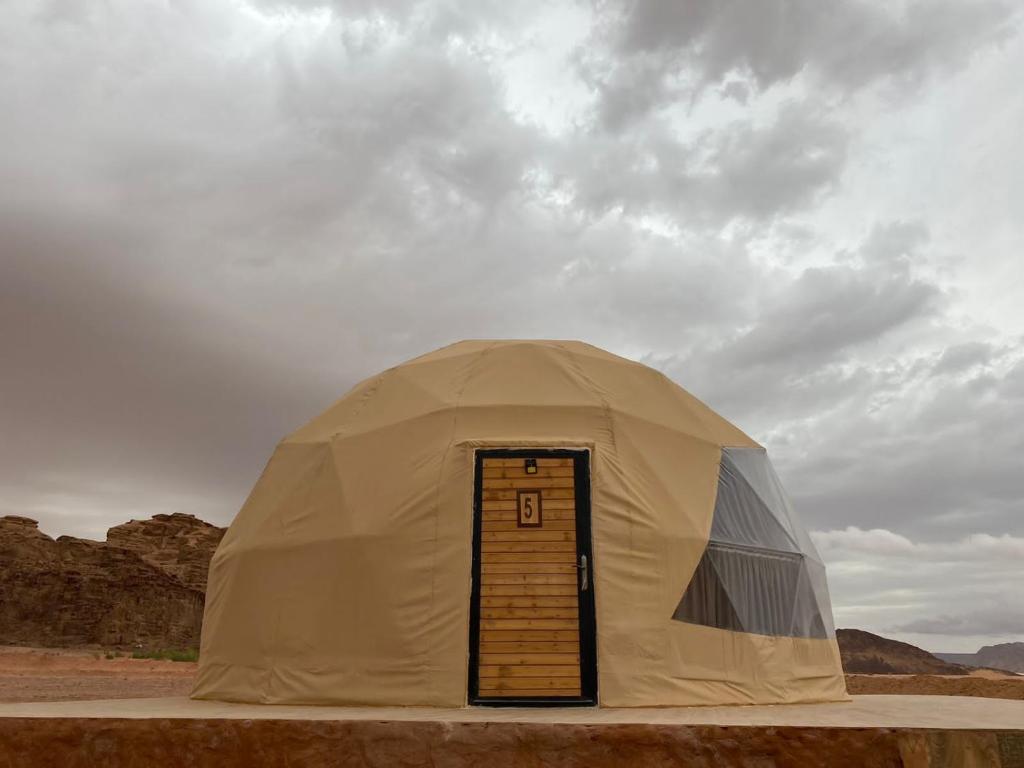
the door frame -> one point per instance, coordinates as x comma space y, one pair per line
585, 600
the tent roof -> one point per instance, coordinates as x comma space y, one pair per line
509, 376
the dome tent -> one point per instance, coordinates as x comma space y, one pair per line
518, 522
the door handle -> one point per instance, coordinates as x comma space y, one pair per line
584, 574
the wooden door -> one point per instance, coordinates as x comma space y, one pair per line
532, 630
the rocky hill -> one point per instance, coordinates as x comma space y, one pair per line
143, 586
1005, 656
1008, 656
867, 654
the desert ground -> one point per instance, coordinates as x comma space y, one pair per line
50, 674
985, 683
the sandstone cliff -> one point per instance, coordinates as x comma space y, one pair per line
144, 586
180, 545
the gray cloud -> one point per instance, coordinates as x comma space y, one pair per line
995, 620
738, 170
669, 49
961, 357
932, 456
826, 311
808, 325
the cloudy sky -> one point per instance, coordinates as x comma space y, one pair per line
217, 215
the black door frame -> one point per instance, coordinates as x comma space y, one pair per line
584, 546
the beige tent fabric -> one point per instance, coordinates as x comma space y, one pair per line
345, 578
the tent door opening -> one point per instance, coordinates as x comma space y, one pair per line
532, 626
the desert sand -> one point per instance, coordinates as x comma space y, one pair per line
38, 674
984, 683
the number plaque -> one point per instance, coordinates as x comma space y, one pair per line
528, 506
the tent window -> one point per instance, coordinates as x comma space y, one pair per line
760, 572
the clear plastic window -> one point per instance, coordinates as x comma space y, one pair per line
760, 572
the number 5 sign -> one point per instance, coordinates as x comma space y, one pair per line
528, 506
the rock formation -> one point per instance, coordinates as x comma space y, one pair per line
867, 654
144, 586
180, 545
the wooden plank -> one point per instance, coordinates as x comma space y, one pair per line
566, 693
532, 564
535, 568
489, 590
492, 579
507, 515
490, 494
500, 624
541, 580
527, 547
529, 602
510, 505
493, 687
520, 472
565, 520
555, 612
536, 646
529, 613
530, 636
522, 590
497, 526
528, 535
542, 659
512, 671
528, 483
560, 558
537, 542
534, 683
501, 483
490, 463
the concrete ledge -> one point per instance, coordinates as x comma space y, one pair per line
943, 712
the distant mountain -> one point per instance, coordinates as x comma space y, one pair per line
863, 653
1008, 656
968, 659
1005, 656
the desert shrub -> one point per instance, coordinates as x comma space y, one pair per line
167, 654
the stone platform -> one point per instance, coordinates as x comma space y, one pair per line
911, 731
